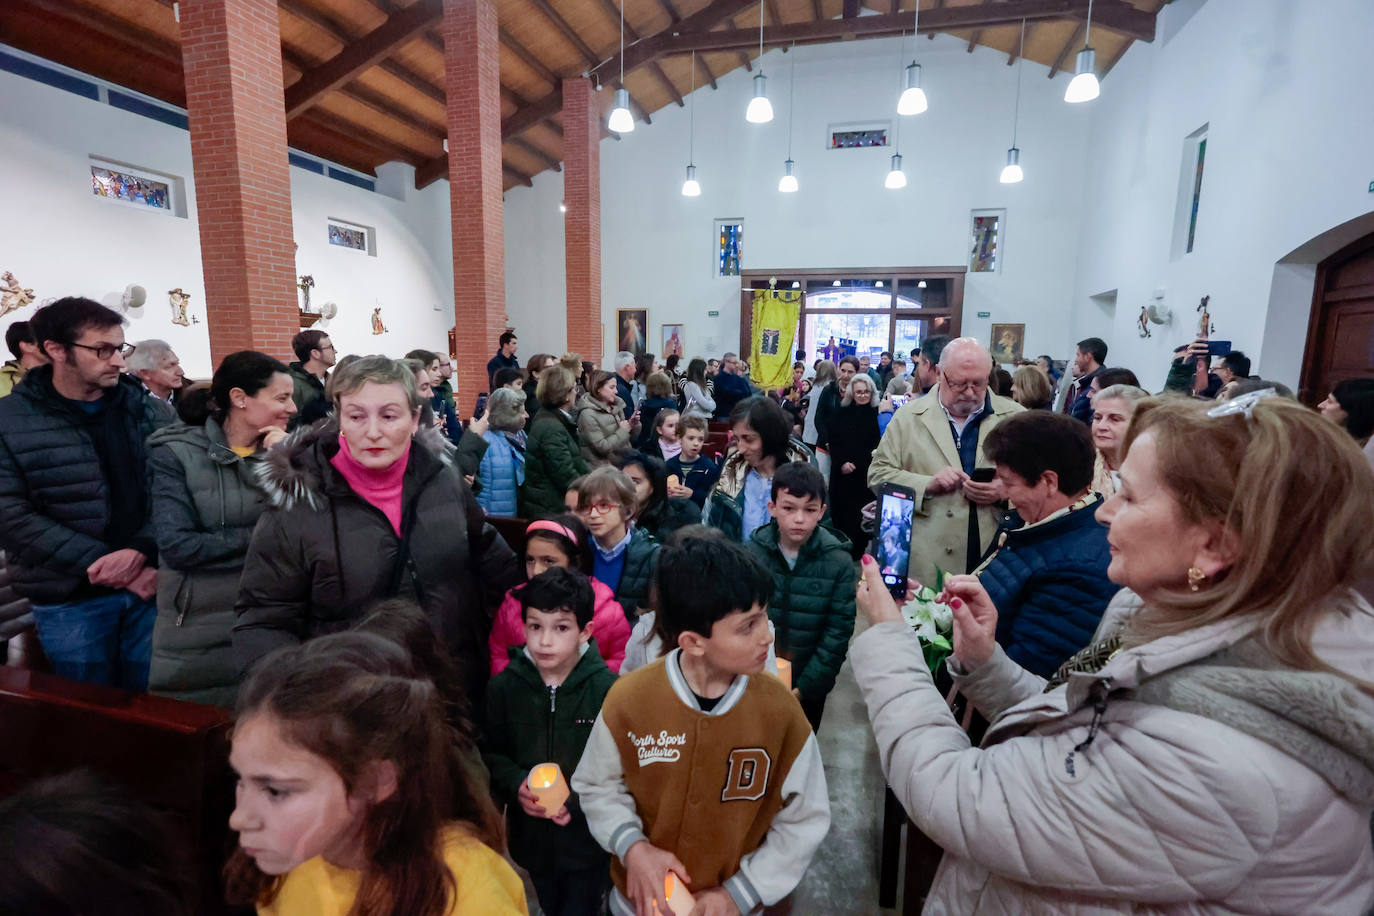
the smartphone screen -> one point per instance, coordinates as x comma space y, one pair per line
481, 407
896, 510
983, 475
1218, 347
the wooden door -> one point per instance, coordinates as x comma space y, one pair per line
1340, 334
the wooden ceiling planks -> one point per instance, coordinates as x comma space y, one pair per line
394, 109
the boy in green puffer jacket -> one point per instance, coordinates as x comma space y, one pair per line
541, 710
814, 582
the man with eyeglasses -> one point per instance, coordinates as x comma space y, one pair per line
315, 354
933, 445
74, 503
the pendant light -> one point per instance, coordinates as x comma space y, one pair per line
1083, 87
913, 98
690, 187
621, 121
760, 110
787, 184
896, 178
1011, 173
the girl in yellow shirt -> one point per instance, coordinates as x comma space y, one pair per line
349, 792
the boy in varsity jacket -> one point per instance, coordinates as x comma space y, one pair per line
700, 763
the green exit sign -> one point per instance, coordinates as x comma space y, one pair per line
985, 314
1371, 187
713, 314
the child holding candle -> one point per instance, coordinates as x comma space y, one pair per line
696, 473
540, 711
559, 541
735, 806
352, 797
814, 583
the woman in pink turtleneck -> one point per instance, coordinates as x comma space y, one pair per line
368, 505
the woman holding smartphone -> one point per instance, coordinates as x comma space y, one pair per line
205, 502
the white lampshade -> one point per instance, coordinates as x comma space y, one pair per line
913, 100
691, 187
760, 109
896, 178
621, 121
1011, 173
1083, 87
787, 184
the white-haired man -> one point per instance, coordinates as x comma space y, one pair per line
624, 380
155, 365
933, 445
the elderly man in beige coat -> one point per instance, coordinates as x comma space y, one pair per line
932, 446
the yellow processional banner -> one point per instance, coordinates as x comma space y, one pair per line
776, 313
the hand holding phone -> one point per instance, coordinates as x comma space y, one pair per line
896, 512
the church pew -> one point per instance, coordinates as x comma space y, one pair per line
171, 755
512, 531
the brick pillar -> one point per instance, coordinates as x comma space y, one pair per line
231, 52
472, 83
582, 222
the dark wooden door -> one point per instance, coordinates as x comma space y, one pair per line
1340, 335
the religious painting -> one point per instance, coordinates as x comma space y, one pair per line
729, 247
1008, 343
631, 325
347, 237
130, 188
673, 337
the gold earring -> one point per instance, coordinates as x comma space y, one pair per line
1195, 578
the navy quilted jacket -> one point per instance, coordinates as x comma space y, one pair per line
1049, 583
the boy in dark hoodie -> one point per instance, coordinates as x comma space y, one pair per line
541, 710
814, 581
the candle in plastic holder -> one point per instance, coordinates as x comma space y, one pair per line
549, 787
676, 895
785, 672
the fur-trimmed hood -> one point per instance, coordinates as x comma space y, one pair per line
297, 469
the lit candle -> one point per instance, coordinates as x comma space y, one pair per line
676, 895
549, 787
785, 672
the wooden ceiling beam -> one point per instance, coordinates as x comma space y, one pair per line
558, 22
382, 104
744, 61
534, 63
348, 127
529, 148
361, 55
945, 19
773, 14
306, 12
706, 69
1069, 47
519, 176
1012, 57
613, 12
850, 9
1115, 59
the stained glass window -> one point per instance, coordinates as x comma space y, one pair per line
130, 188
729, 234
986, 237
1197, 192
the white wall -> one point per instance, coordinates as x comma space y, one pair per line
658, 248
58, 239
1281, 85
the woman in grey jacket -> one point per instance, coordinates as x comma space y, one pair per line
206, 499
1212, 751
601, 423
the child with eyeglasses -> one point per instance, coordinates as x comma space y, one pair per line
623, 557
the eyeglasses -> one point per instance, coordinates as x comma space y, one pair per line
105, 350
600, 508
977, 384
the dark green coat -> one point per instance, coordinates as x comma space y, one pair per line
637, 576
813, 605
205, 503
528, 723
553, 460
305, 386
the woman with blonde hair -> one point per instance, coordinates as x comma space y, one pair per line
1212, 750
825, 376
366, 506
553, 458
1112, 409
1031, 388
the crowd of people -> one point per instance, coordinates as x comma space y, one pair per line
1159, 637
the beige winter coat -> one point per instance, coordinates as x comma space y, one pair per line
599, 430
1162, 811
917, 445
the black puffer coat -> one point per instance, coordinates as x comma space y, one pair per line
15, 614
54, 497
322, 554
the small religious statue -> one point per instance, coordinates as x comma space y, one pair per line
1143, 322
13, 297
1205, 328
306, 283
181, 303
377, 326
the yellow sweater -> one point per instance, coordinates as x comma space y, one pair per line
487, 885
